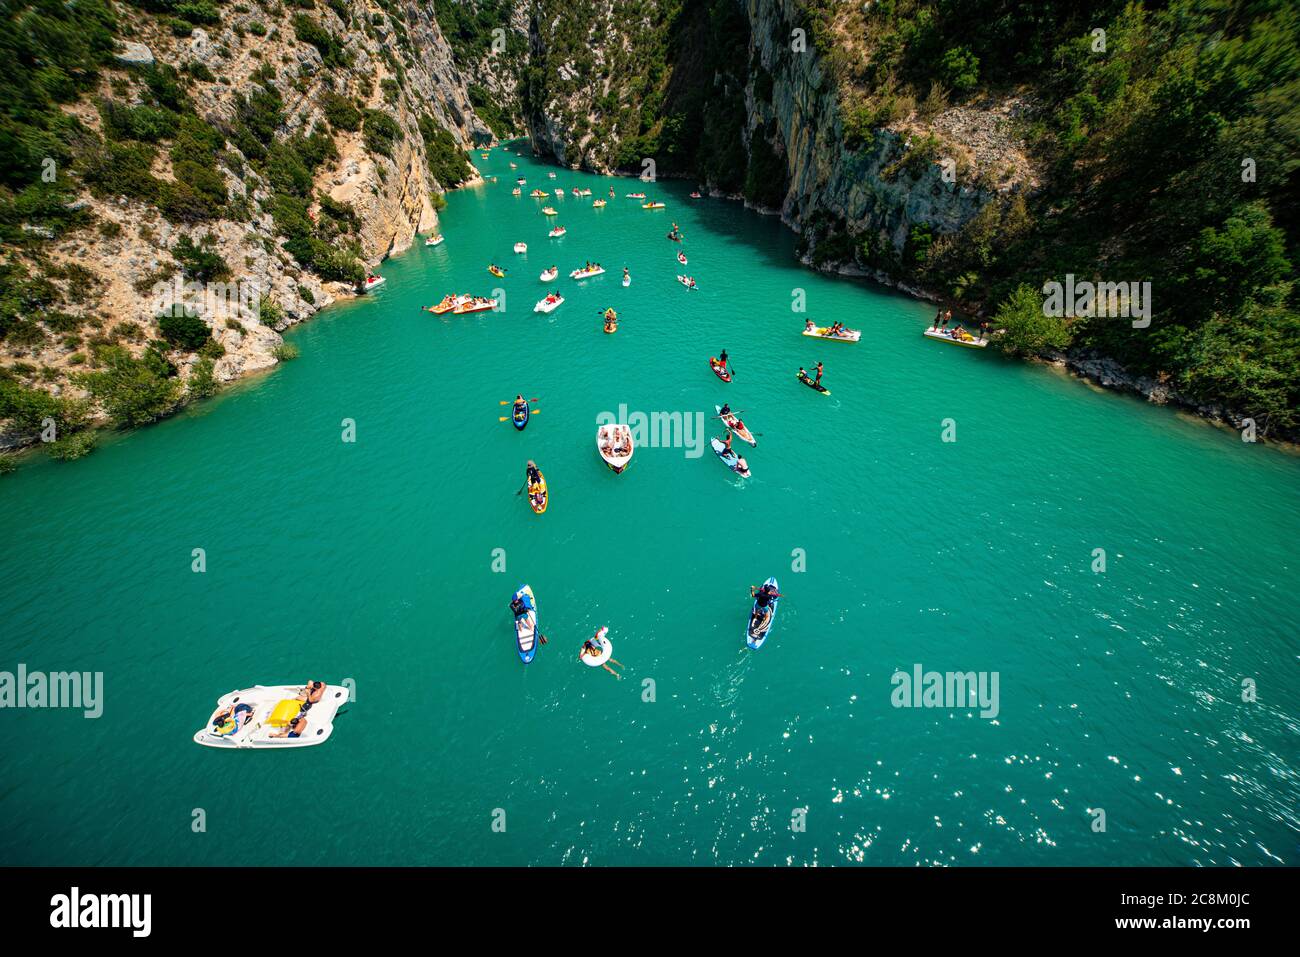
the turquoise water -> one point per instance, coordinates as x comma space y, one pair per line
373, 561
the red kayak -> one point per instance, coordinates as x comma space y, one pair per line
721, 373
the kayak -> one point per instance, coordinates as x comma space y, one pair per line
606, 650
970, 342
538, 497
687, 281
520, 417
611, 320
587, 273
526, 624
811, 384
821, 332
557, 231
730, 459
716, 366
497, 271
757, 629
736, 426
614, 443
681, 258
548, 274
549, 304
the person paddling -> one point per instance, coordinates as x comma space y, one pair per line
818, 380
722, 361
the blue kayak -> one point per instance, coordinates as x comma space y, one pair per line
520, 418
759, 627
524, 606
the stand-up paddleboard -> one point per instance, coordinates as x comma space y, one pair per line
811, 384
606, 650
524, 607
730, 459
757, 630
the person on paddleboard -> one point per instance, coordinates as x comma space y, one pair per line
764, 594
818, 380
726, 441
626, 274
722, 361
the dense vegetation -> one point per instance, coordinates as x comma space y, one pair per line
1169, 156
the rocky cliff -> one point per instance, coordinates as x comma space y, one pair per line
391, 58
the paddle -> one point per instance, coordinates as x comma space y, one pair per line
508, 401
506, 418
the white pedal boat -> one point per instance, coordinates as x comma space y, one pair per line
823, 332
587, 273
970, 342
548, 304
266, 716
614, 443
548, 275
521, 247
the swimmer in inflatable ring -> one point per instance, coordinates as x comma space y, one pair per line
596, 646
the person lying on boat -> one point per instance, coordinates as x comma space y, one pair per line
293, 729
232, 718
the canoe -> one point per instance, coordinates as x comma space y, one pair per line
687, 282
611, 437
264, 715
538, 496
716, 366
806, 380
737, 426
519, 417
548, 304
587, 273
525, 623
820, 332
730, 459
756, 629
970, 342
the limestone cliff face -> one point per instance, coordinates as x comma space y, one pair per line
801, 163
258, 48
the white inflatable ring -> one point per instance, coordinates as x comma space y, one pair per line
606, 650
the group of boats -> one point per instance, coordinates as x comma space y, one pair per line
460, 305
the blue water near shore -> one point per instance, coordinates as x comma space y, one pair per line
374, 561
